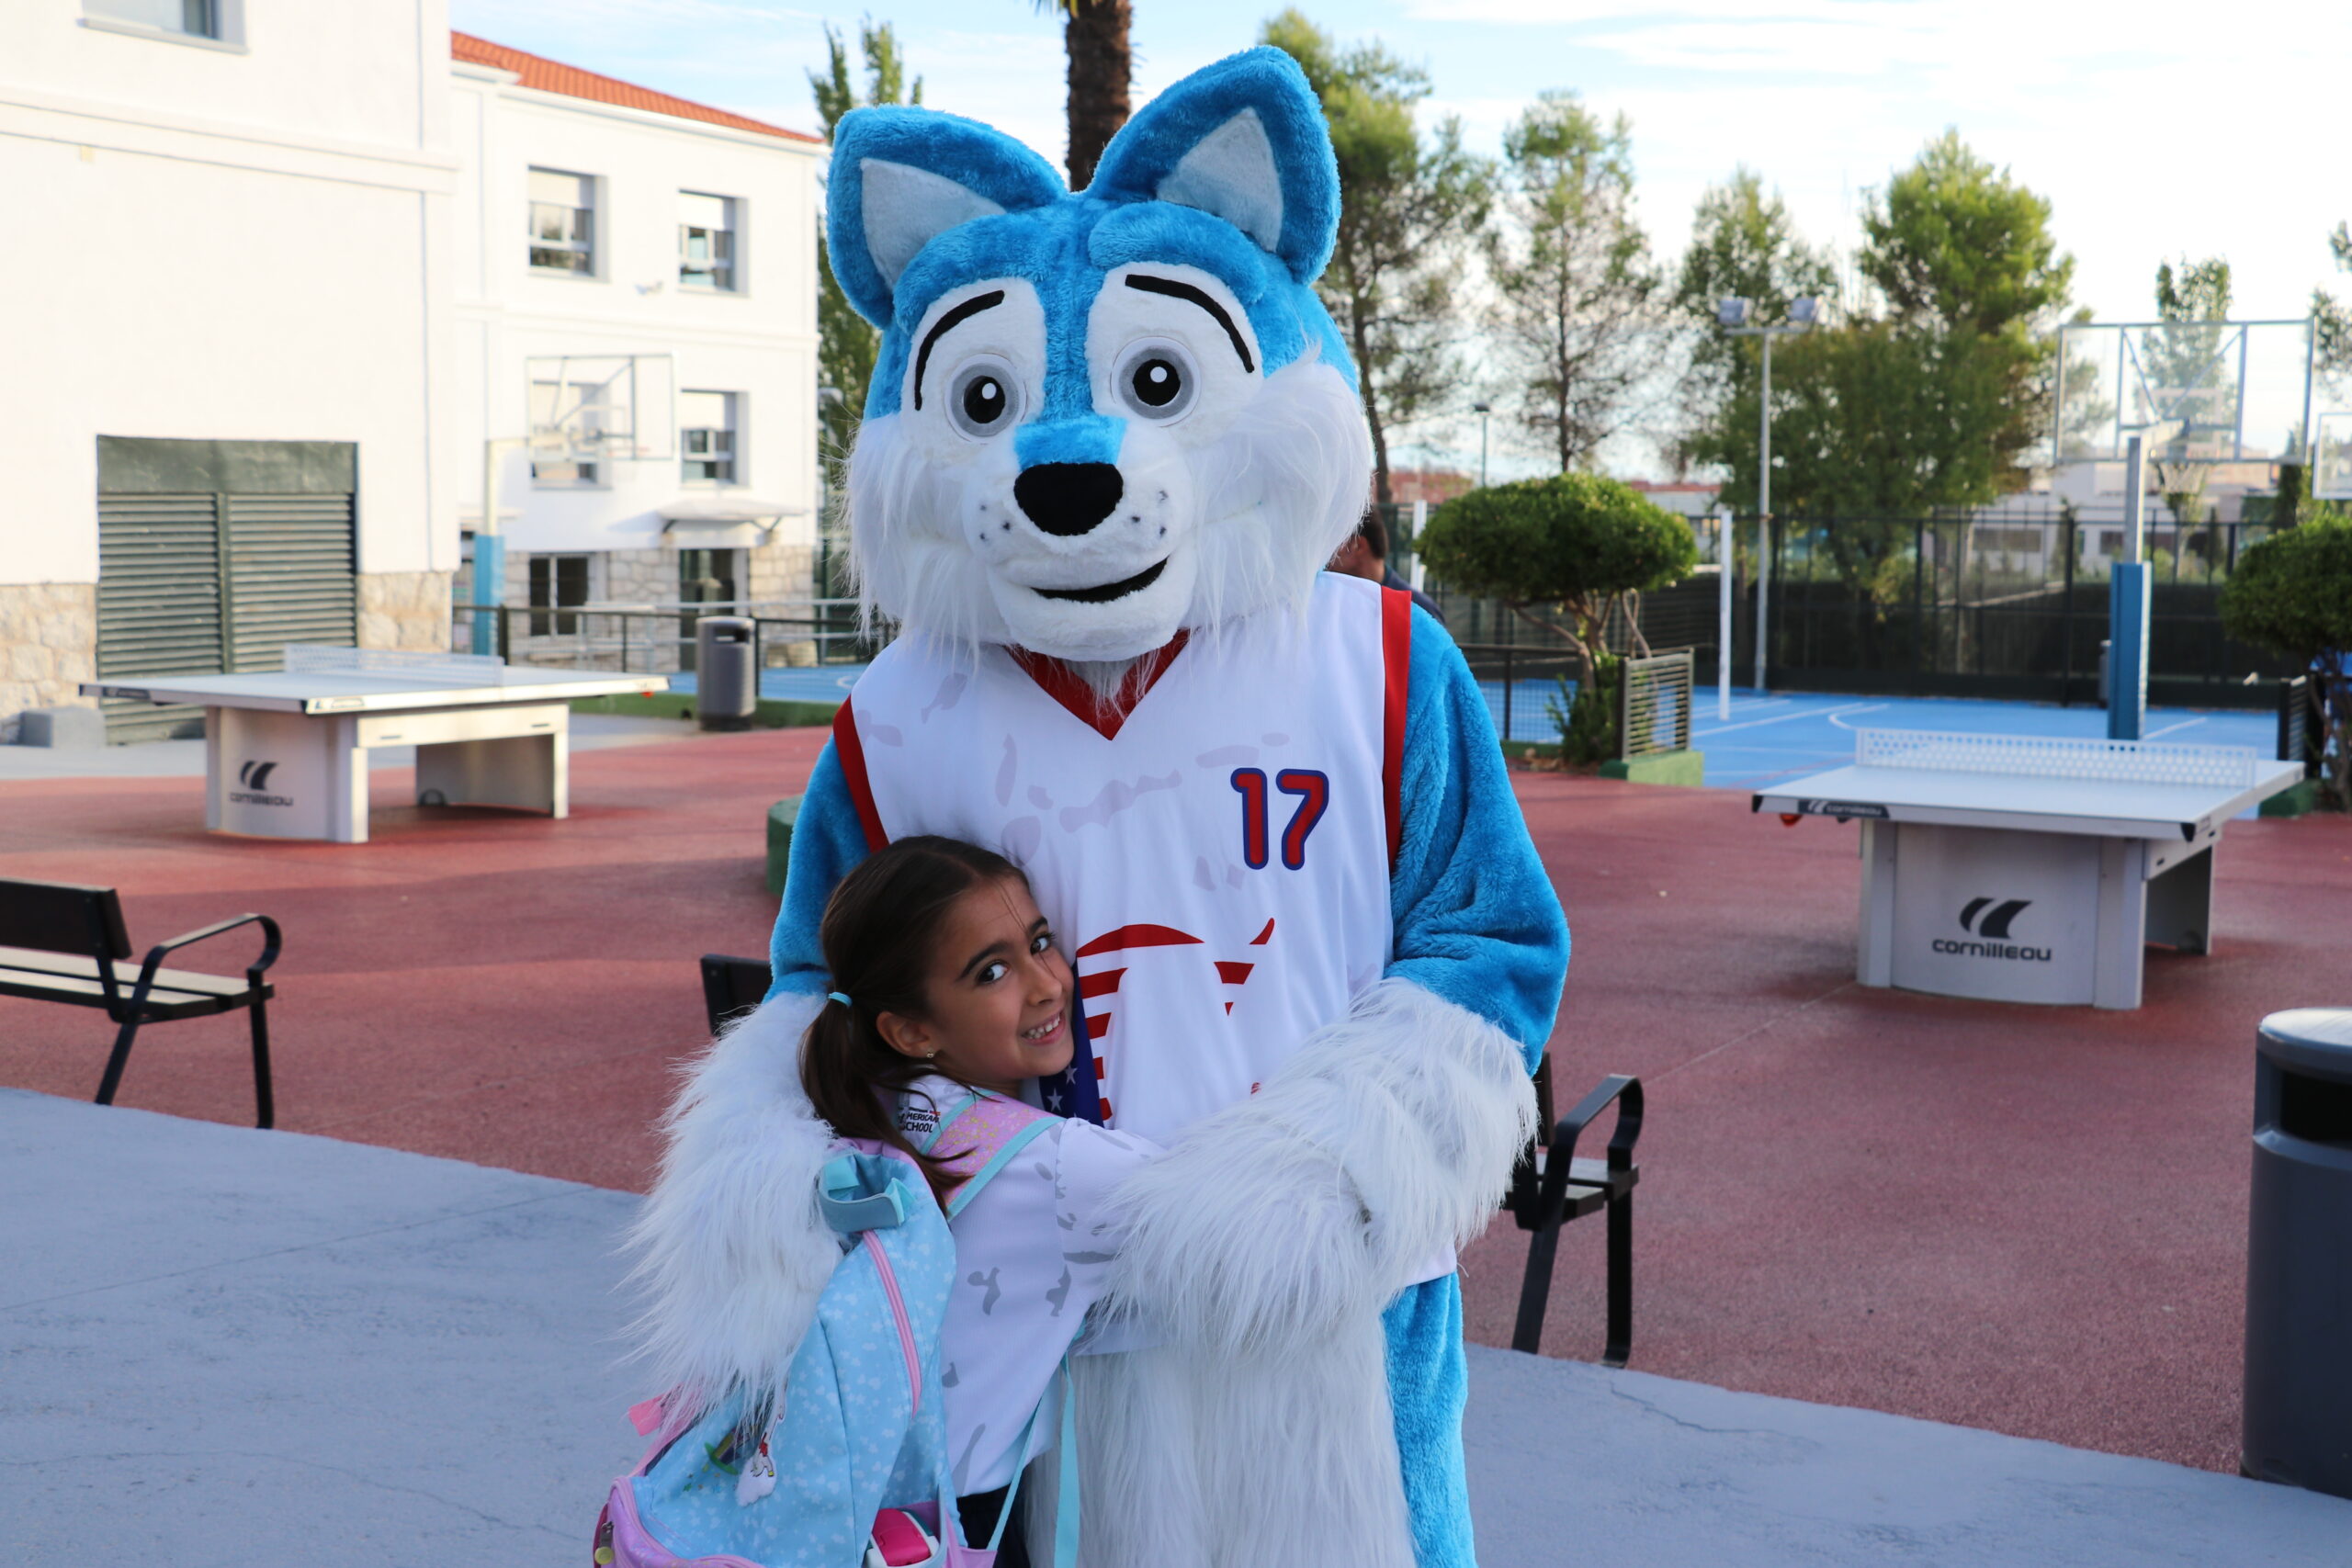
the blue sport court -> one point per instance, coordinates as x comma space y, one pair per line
1767, 736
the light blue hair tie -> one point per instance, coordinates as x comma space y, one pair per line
840, 997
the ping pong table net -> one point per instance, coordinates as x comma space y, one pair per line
2040, 757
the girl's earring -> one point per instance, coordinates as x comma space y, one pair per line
927, 1055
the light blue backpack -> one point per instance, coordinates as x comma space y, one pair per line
852, 1472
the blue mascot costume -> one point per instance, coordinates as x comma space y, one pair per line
1113, 435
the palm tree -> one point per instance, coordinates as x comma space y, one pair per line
1095, 36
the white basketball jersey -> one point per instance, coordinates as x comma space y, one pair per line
1216, 863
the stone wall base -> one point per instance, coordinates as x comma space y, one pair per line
405, 609
48, 646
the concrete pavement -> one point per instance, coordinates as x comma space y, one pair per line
224, 1347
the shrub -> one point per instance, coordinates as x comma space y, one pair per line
2292, 594
1583, 543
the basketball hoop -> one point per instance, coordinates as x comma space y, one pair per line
2195, 392
2332, 456
589, 408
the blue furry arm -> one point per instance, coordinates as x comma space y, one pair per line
828, 841
1476, 921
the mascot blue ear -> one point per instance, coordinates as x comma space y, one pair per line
1245, 141
902, 176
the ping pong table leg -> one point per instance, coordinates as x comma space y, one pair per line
1874, 960
2122, 923
215, 720
347, 775
559, 747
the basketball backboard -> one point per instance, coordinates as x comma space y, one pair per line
602, 408
2194, 391
2332, 456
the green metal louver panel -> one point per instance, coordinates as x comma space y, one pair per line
213, 556
159, 603
291, 577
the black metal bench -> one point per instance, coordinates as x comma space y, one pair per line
1549, 1188
60, 942
1552, 1187
731, 988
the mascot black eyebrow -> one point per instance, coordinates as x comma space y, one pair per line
1112, 437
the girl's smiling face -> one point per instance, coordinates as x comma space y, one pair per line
997, 995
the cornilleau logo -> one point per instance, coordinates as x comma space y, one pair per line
1990, 919
1997, 924
254, 777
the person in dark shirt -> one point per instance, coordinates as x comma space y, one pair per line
1366, 555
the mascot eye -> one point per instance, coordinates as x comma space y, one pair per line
983, 400
1157, 381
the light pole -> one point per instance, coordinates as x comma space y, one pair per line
1482, 410
1805, 311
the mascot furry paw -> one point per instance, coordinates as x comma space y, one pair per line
1112, 437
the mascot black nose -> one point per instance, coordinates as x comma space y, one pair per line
1067, 498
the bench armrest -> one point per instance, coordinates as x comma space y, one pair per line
270, 943
1550, 1196
1626, 1091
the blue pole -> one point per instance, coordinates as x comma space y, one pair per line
490, 588
2127, 608
2127, 660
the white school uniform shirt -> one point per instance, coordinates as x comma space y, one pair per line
1033, 1254
1216, 864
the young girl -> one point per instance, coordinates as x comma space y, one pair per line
946, 984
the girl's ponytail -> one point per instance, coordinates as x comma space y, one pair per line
877, 935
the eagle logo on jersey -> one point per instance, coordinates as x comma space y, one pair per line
1098, 418
1105, 962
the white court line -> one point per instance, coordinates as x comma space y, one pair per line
2168, 728
1841, 723
1783, 718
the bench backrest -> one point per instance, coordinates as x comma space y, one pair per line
731, 986
59, 916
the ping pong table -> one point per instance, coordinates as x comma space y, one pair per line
286, 752
2031, 869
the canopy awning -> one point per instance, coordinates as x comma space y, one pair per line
723, 521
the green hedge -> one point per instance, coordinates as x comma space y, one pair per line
770, 714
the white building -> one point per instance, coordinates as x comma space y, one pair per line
616, 239
271, 281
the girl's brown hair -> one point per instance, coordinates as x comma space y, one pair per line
878, 933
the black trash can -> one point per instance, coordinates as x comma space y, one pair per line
727, 674
2298, 1254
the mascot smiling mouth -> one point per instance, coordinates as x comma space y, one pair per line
1103, 592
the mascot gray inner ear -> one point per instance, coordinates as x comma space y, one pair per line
1230, 175
903, 208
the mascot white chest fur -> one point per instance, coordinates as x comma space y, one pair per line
1112, 437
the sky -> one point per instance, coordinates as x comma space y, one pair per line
2158, 131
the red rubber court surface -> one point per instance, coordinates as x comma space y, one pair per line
2021, 1218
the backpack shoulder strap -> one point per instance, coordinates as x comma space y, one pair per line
980, 1138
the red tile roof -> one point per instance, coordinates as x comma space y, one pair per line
545, 75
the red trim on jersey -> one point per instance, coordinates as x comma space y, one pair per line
850, 752
1102, 983
1138, 936
1264, 936
1397, 658
1057, 680
1097, 1025
1232, 972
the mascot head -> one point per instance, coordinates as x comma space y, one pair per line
1098, 418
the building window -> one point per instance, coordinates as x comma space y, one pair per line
195, 19
706, 428
567, 433
706, 242
564, 222
558, 582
